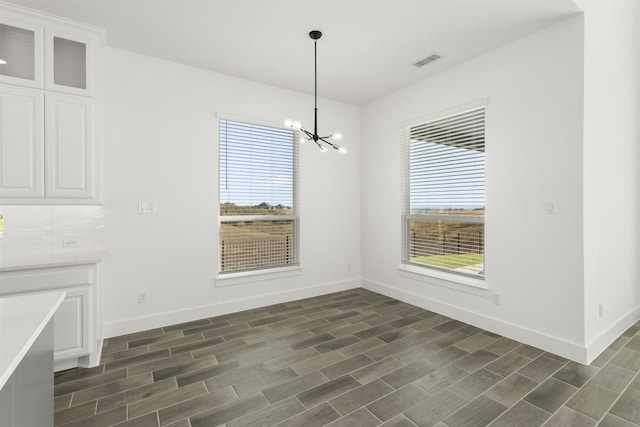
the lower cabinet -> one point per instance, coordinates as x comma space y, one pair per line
72, 324
76, 339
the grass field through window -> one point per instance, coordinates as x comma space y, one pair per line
449, 261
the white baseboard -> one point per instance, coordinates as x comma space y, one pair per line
63, 365
127, 326
605, 338
564, 348
93, 359
571, 350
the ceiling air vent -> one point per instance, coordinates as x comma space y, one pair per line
426, 60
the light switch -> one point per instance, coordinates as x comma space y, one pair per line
147, 207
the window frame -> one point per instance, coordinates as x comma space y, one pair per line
233, 277
443, 276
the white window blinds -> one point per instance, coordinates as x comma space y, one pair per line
258, 183
443, 193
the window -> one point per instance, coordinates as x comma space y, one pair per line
258, 184
443, 171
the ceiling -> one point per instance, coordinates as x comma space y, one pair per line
365, 53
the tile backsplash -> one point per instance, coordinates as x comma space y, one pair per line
51, 230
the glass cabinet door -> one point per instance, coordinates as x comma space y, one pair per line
69, 64
21, 55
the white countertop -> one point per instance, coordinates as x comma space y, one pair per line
22, 319
8, 263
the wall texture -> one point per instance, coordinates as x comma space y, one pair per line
534, 90
611, 158
160, 145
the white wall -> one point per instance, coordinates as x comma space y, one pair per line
611, 157
534, 154
160, 145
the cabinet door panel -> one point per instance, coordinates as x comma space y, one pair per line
70, 146
69, 59
21, 142
21, 48
71, 325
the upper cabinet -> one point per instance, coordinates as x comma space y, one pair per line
70, 145
21, 142
50, 99
69, 63
21, 54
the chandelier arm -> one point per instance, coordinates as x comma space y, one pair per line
331, 144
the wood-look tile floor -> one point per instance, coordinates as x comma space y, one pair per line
353, 358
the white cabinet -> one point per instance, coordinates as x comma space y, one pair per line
21, 142
69, 62
21, 47
66, 123
73, 324
76, 336
50, 99
43, 52
70, 150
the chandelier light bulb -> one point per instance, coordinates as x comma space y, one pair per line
324, 149
288, 123
296, 124
342, 150
336, 136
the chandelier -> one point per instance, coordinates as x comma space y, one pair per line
323, 142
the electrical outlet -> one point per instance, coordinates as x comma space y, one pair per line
496, 298
69, 243
143, 297
550, 207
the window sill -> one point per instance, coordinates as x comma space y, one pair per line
232, 279
440, 278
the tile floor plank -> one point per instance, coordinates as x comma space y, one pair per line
315, 417
229, 412
116, 400
436, 408
511, 389
270, 415
360, 396
97, 392
551, 394
345, 359
196, 405
290, 388
361, 417
397, 402
163, 400
479, 412
104, 419
323, 392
